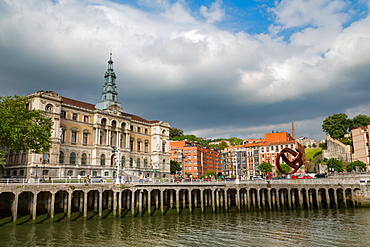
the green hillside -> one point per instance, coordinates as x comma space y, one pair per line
312, 153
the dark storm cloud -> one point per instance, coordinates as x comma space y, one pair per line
174, 67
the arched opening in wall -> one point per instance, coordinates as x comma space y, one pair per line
114, 124
112, 162
49, 108
102, 160
103, 122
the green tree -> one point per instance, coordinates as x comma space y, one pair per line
220, 146
2, 157
265, 167
175, 166
335, 165
360, 120
21, 128
210, 173
284, 167
175, 132
351, 166
235, 141
337, 125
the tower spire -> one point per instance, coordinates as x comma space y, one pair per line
109, 94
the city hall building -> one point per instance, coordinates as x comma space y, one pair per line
96, 140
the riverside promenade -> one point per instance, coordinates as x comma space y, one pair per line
51, 202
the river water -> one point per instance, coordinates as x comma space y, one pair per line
347, 227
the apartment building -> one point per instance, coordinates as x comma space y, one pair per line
195, 159
361, 149
243, 160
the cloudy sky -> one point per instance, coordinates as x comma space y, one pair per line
213, 68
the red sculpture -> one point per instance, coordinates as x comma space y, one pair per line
293, 164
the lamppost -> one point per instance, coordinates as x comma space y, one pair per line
117, 161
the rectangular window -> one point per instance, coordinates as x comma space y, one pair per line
86, 119
139, 129
195, 168
146, 131
63, 114
74, 116
74, 137
45, 172
195, 162
85, 138
106, 174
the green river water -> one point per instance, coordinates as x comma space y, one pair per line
347, 227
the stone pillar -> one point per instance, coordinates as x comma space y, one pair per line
177, 201
14, 207
237, 198
225, 199
85, 203
34, 206
300, 195
69, 205
149, 202
184, 199
190, 201
289, 198
141, 194
308, 198
133, 197
52, 204
327, 197
247, 201
336, 204
214, 200
258, 200
119, 204
202, 200
171, 198
100, 204
114, 203
162, 201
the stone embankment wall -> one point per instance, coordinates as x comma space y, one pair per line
25, 203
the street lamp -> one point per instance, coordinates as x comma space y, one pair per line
116, 160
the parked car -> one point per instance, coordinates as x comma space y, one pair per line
97, 179
10, 179
300, 175
256, 178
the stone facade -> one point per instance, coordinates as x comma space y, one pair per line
337, 150
99, 140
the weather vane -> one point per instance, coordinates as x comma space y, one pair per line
293, 164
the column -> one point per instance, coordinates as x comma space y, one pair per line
69, 205
114, 203
238, 198
149, 202
15, 208
133, 197
214, 200
190, 191
52, 204
162, 202
100, 204
177, 201
85, 204
327, 198
336, 204
202, 199
289, 199
119, 204
247, 201
34, 206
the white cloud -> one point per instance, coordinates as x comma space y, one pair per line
215, 13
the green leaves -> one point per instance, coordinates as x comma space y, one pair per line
22, 128
265, 167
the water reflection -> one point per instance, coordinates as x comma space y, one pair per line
299, 228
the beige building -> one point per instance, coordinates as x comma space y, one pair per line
97, 140
361, 149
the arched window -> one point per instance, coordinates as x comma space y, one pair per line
102, 160
84, 159
131, 162
138, 162
61, 157
146, 163
72, 158
70, 173
49, 108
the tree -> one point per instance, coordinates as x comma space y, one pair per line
174, 132
284, 167
235, 141
175, 167
265, 167
335, 165
210, 173
337, 125
361, 166
22, 128
360, 120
